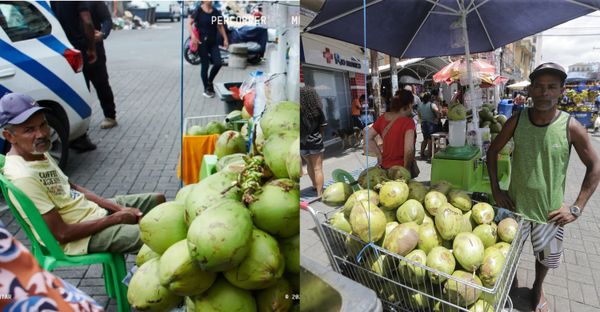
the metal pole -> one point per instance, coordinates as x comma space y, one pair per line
394, 74
463, 15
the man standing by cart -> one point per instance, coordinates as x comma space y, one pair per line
543, 136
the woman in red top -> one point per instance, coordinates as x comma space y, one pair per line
399, 137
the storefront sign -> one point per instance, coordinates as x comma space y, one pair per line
329, 54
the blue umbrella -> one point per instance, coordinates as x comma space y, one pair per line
426, 28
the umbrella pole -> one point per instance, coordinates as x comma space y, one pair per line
463, 16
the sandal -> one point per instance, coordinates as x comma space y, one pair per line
541, 307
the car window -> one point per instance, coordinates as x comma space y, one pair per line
22, 21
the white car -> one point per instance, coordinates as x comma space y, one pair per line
37, 59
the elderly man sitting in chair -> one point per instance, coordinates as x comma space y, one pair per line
81, 221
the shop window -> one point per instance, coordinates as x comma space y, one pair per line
333, 88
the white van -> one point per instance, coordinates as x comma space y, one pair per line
37, 59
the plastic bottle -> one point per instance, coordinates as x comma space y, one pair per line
471, 135
486, 140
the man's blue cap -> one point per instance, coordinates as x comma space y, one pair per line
16, 108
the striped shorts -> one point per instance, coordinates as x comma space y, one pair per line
547, 240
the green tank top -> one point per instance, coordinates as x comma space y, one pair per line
426, 111
539, 166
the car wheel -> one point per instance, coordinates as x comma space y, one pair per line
60, 140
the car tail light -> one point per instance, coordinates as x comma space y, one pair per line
74, 59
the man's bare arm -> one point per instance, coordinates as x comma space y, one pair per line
88, 29
65, 233
587, 154
91, 196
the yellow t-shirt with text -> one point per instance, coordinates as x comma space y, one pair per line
48, 188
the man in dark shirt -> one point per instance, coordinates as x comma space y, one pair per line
97, 72
76, 20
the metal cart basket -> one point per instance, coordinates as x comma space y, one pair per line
378, 269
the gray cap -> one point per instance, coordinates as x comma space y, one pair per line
16, 108
548, 68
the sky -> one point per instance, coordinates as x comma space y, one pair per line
571, 46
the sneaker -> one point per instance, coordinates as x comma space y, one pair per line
83, 144
108, 123
209, 94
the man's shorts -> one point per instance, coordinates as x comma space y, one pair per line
547, 240
428, 128
123, 238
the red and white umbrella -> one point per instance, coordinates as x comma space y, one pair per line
452, 72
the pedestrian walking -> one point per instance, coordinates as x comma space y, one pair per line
312, 131
204, 24
76, 20
96, 73
543, 136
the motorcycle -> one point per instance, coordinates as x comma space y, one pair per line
253, 37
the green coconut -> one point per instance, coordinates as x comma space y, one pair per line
261, 267
428, 238
460, 199
449, 222
367, 221
145, 293
215, 127
389, 227
403, 239
360, 195
371, 177
276, 150
504, 247
493, 262
442, 186
398, 173
482, 305
442, 260
507, 229
145, 254
224, 297
393, 194
336, 194
457, 293
220, 239
183, 193
338, 221
209, 192
411, 210
293, 162
230, 159
277, 298
290, 248
434, 200
180, 274
411, 272
487, 234
230, 142
483, 213
468, 251
163, 226
276, 208
417, 191
285, 116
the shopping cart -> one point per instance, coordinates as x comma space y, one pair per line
376, 268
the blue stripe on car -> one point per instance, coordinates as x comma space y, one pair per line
45, 5
53, 43
46, 77
4, 90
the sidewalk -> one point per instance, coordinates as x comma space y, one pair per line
574, 286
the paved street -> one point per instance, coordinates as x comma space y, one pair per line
141, 154
574, 286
